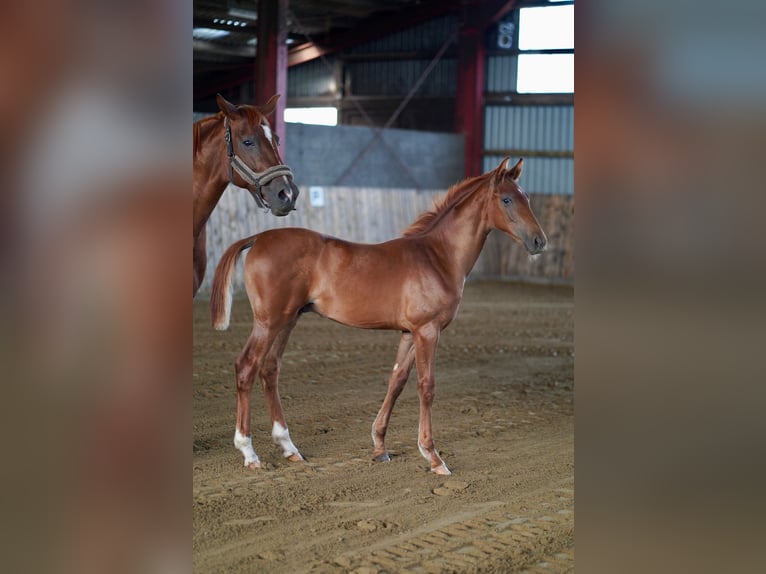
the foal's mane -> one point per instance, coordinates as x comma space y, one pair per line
456, 195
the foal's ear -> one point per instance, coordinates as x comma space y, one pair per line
268, 108
515, 172
226, 106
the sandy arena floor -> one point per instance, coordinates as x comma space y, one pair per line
503, 421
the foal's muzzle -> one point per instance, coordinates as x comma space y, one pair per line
536, 243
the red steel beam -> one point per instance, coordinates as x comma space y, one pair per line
271, 59
471, 66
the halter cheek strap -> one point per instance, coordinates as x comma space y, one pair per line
255, 178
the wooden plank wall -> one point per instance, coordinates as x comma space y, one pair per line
372, 215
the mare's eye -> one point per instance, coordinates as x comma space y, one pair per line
276, 138
507, 200
248, 143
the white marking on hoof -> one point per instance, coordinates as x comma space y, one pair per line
245, 445
424, 453
281, 437
442, 469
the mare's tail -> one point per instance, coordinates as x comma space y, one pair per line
220, 295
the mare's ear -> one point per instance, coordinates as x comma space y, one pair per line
514, 172
268, 108
226, 106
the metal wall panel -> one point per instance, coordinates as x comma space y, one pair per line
501, 73
536, 128
541, 174
314, 78
391, 78
533, 129
428, 36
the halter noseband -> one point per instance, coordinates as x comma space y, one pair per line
254, 178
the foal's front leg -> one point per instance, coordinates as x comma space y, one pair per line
270, 378
405, 358
426, 340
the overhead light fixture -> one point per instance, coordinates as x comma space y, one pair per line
209, 33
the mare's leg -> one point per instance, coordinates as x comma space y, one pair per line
426, 340
405, 358
269, 374
247, 366
200, 260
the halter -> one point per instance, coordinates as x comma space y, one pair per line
254, 178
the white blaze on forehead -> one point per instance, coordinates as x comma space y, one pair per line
267, 132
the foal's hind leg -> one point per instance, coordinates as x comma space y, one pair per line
405, 357
270, 378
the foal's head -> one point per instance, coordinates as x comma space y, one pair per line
509, 208
253, 141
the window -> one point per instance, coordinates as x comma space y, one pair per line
546, 50
316, 116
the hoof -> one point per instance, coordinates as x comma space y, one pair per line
254, 465
382, 458
441, 469
295, 457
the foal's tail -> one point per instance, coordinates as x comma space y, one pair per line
220, 295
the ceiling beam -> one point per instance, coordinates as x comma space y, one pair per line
220, 50
372, 28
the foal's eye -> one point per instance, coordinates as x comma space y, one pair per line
507, 200
248, 143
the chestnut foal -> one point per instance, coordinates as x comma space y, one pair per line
412, 284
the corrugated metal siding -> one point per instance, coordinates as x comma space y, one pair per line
397, 77
537, 128
534, 128
541, 174
427, 36
501, 73
314, 78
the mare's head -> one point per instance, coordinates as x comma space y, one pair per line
255, 145
509, 208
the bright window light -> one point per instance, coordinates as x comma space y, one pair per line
545, 73
546, 28
317, 116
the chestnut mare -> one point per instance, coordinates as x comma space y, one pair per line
237, 145
412, 284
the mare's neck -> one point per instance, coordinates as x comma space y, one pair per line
460, 235
211, 175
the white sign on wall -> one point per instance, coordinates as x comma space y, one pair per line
317, 196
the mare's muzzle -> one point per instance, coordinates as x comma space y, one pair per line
278, 195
